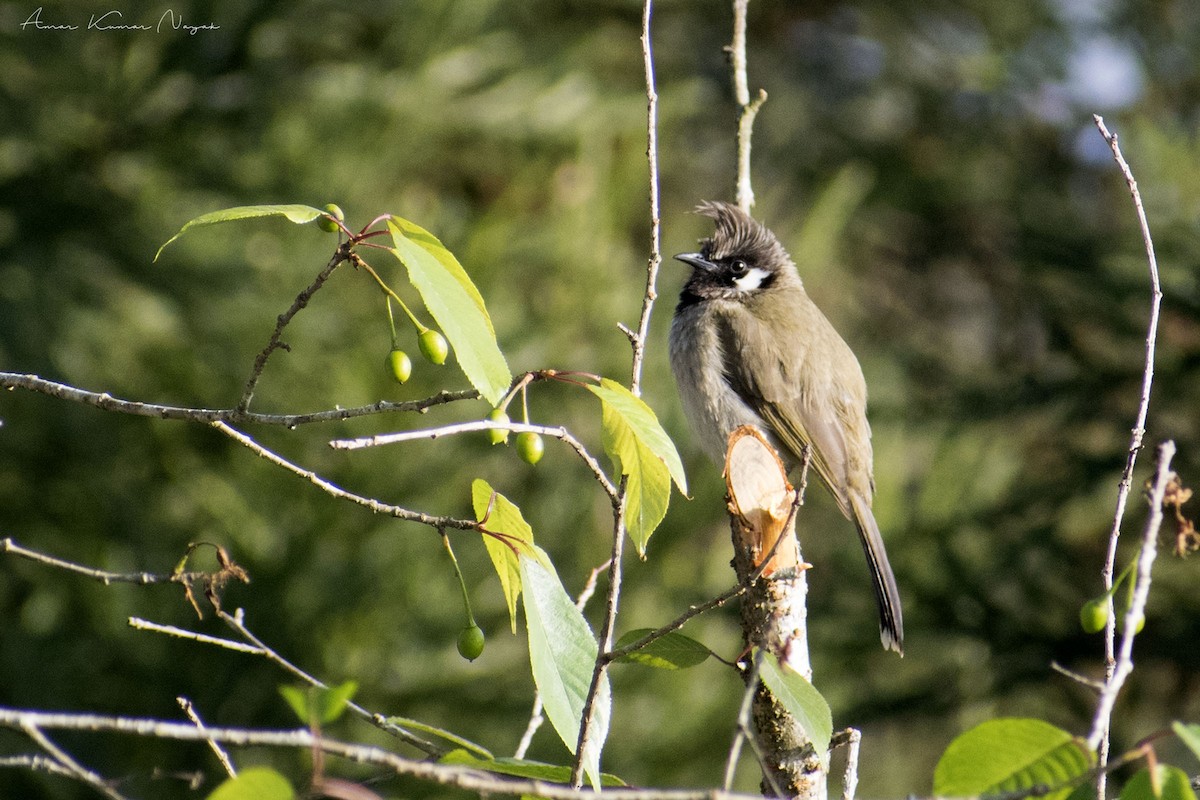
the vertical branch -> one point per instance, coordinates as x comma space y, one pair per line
638, 340
1141, 590
747, 108
1135, 445
655, 259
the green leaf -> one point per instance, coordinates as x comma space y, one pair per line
670, 651
1173, 784
463, 744
562, 652
521, 768
647, 482
641, 418
293, 213
1189, 735
321, 705
641, 451
254, 783
802, 700
456, 306
503, 517
1010, 754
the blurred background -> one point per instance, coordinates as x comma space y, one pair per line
932, 167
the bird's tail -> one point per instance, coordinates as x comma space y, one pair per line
891, 619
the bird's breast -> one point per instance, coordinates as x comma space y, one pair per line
710, 403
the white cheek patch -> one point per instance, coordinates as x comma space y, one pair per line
751, 280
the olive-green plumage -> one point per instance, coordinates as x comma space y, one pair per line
748, 346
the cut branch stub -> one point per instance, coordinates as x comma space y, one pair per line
760, 501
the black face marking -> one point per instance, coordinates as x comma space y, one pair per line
740, 259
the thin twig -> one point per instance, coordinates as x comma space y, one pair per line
1138, 432
106, 402
139, 624
1082, 680
1141, 590
600, 668
742, 731
218, 751
655, 259
9, 545
554, 432
33, 731
747, 108
466, 778
375, 506
35, 762
236, 622
276, 340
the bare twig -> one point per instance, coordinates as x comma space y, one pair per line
35, 762
276, 340
748, 109
9, 545
554, 432
655, 259
1137, 608
600, 668
218, 751
375, 506
1138, 432
77, 770
139, 624
106, 402
1082, 680
743, 730
236, 622
441, 774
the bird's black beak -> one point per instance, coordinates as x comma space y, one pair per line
696, 261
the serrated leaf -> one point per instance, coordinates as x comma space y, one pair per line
562, 652
316, 704
254, 783
642, 420
1010, 754
802, 700
1172, 784
521, 768
503, 517
670, 651
1189, 735
298, 214
455, 305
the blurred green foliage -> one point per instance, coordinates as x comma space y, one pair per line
932, 166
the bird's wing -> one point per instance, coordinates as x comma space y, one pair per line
791, 387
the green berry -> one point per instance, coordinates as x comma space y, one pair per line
530, 447
495, 435
400, 365
1094, 615
326, 223
433, 346
470, 642
1137, 625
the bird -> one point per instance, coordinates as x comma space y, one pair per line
747, 345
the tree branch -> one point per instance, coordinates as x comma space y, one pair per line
1137, 608
106, 402
747, 108
1138, 432
329, 488
441, 774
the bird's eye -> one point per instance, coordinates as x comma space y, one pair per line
739, 267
